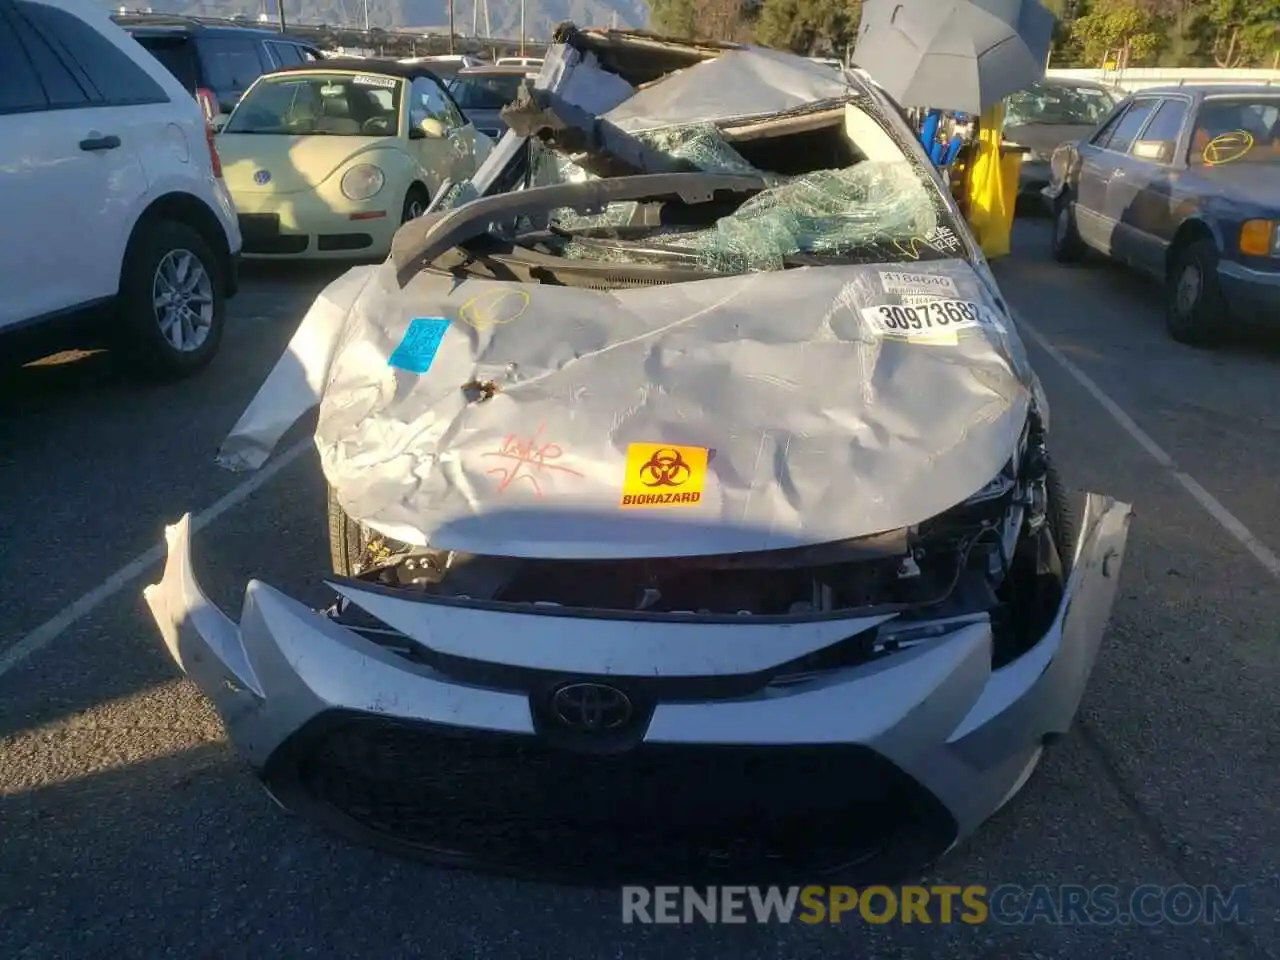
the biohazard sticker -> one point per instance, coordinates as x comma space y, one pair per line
662, 475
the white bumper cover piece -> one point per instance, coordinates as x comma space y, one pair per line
968, 734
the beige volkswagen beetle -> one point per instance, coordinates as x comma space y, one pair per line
327, 159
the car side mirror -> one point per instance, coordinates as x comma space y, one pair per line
1161, 151
219, 123
428, 129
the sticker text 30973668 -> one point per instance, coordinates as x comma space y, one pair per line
662, 475
935, 320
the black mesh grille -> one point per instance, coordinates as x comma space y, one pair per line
656, 812
343, 241
284, 243
618, 283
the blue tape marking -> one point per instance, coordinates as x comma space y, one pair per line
421, 343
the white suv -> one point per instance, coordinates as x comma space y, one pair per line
112, 206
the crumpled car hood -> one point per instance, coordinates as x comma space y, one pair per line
753, 412
757, 410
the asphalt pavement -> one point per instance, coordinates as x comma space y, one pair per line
128, 829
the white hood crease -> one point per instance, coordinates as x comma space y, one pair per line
297, 381
821, 427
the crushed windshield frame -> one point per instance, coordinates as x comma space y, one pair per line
817, 207
552, 131
320, 125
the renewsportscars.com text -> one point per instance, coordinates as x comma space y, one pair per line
1008, 904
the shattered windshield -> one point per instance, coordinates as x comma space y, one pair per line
859, 203
1058, 105
320, 104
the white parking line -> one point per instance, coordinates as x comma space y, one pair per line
51, 629
1228, 521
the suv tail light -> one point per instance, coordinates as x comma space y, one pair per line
214, 159
208, 103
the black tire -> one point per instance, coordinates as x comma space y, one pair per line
346, 538
1065, 243
155, 247
1195, 309
415, 200
1063, 515
1030, 206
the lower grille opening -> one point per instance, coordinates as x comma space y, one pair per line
654, 813
343, 241
283, 243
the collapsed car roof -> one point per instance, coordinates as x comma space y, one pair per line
598, 89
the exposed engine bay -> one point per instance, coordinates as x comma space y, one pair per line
997, 555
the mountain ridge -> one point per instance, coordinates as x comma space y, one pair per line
541, 16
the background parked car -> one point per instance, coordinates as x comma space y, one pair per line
482, 92
1184, 184
1048, 113
216, 64
327, 160
114, 209
445, 65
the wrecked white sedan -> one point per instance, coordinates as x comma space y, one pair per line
690, 502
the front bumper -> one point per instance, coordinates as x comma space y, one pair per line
884, 763
233, 274
1252, 295
302, 226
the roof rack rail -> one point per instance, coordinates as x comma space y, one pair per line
159, 19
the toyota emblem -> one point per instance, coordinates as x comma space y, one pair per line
591, 707
262, 177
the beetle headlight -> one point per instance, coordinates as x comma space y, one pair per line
362, 181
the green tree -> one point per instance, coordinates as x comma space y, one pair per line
674, 18
810, 27
1065, 50
1178, 20
1242, 33
702, 19
1130, 29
